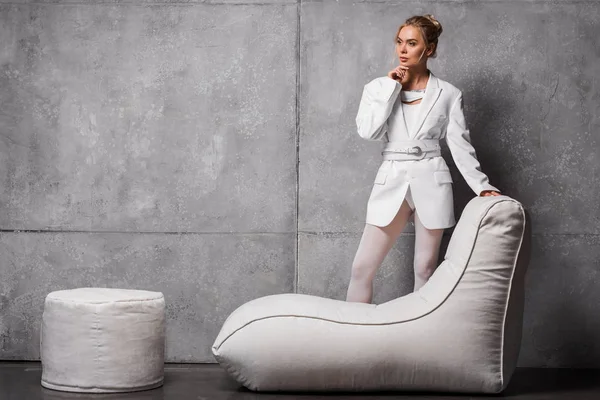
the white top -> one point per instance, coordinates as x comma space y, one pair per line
410, 115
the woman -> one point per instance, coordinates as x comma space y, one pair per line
413, 177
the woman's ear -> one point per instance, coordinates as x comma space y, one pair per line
431, 49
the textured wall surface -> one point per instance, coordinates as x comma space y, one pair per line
207, 149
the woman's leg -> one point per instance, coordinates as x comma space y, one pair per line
374, 245
427, 249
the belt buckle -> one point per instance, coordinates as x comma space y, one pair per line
418, 151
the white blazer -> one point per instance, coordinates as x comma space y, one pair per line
440, 116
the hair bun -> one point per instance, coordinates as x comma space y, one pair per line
435, 22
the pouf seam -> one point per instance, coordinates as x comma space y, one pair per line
103, 302
124, 390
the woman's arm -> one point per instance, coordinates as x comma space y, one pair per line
376, 104
463, 153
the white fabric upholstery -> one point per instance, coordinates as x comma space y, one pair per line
461, 332
102, 340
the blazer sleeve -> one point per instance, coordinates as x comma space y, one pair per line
463, 153
376, 104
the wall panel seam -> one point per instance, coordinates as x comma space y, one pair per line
297, 137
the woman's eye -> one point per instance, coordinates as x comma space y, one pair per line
412, 44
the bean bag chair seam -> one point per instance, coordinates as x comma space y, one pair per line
382, 323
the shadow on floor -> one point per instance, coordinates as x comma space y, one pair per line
21, 381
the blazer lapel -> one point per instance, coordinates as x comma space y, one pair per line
432, 93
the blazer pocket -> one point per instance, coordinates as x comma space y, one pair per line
442, 177
381, 177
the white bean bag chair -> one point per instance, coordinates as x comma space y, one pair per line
100, 340
461, 332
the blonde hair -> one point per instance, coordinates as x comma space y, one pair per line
430, 28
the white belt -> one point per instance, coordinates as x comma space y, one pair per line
411, 149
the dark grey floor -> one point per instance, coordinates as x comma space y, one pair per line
21, 381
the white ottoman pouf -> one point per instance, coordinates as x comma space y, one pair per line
101, 340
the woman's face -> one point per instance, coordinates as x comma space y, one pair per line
409, 47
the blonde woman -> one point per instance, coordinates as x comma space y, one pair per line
411, 110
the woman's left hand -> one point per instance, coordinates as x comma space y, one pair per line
486, 193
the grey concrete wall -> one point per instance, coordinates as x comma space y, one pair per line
208, 150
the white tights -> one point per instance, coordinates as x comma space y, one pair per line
375, 244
